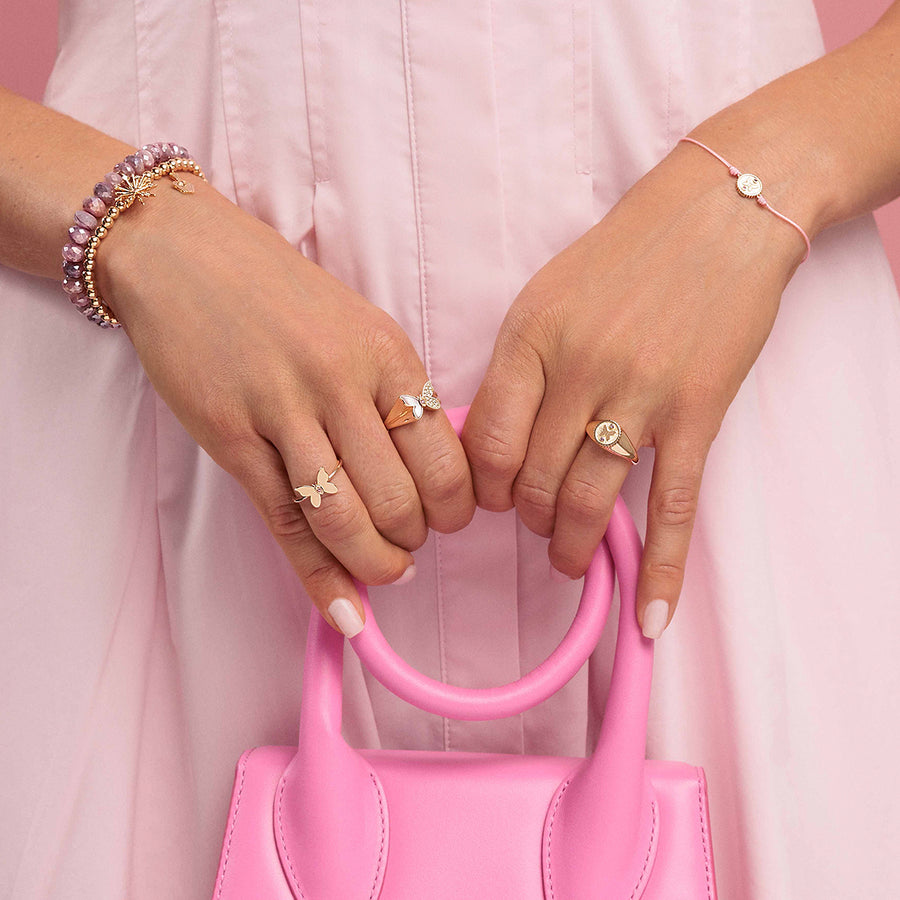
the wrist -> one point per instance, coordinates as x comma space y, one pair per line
144, 236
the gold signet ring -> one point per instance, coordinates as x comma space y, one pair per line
610, 436
315, 492
410, 409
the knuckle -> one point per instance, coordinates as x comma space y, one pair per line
664, 571
237, 451
286, 521
394, 510
675, 506
317, 576
445, 478
582, 500
532, 495
338, 518
493, 455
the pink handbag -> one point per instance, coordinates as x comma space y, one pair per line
324, 821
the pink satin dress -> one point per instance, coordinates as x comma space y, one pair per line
434, 156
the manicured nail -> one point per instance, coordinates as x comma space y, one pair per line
656, 616
345, 616
559, 577
408, 575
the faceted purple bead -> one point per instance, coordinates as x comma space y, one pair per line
178, 152
136, 162
82, 301
73, 287
123, 168
72, 270
79, 235
72, 253
95, 206
102, 191
167, 151
113, 179
148, 158
85, 220
156, 149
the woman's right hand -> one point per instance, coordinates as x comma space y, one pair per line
276, 368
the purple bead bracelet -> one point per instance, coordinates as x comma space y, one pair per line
88, 222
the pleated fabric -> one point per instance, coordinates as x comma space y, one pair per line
434, 156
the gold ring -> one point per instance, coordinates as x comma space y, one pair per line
611, 436
323, 485
410, 409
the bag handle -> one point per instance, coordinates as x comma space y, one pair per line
331, 815
540, 683
493, 702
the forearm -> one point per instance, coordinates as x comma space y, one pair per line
48, 164
825, 138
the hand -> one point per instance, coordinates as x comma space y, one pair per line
276, 368
652, 318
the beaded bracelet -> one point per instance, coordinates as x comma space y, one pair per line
749, 185
130, 181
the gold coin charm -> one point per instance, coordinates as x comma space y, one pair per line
749, 185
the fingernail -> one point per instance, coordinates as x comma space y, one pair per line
656, 616
559, 577
345, 616
408, 575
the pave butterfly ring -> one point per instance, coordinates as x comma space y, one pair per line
410, 409
610, 436
315, 492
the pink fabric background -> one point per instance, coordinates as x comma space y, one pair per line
28, 29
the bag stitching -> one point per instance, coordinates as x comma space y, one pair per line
559, 797
637, 886
647, 858
381, 849
703, 833
237, 806
287, 853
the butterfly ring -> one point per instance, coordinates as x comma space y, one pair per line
315, 492
611, 436
410, 409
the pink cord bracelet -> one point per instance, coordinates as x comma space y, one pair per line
749, 185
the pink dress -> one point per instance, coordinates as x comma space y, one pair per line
434, 156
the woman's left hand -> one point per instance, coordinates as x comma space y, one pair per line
652, 318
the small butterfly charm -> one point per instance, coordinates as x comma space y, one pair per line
414, 404
428, 397
315, 491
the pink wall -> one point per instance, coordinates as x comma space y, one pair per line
28, 27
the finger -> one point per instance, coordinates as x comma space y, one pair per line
498, 426
586, 500
264, 477
434, 457
382, 481
556, 437
671, 511
340, 521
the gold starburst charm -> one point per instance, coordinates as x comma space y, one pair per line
134, 187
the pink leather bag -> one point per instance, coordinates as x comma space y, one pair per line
324, 821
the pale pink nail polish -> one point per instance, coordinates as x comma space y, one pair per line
408, 575
559, 577
656, 617
345, 616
